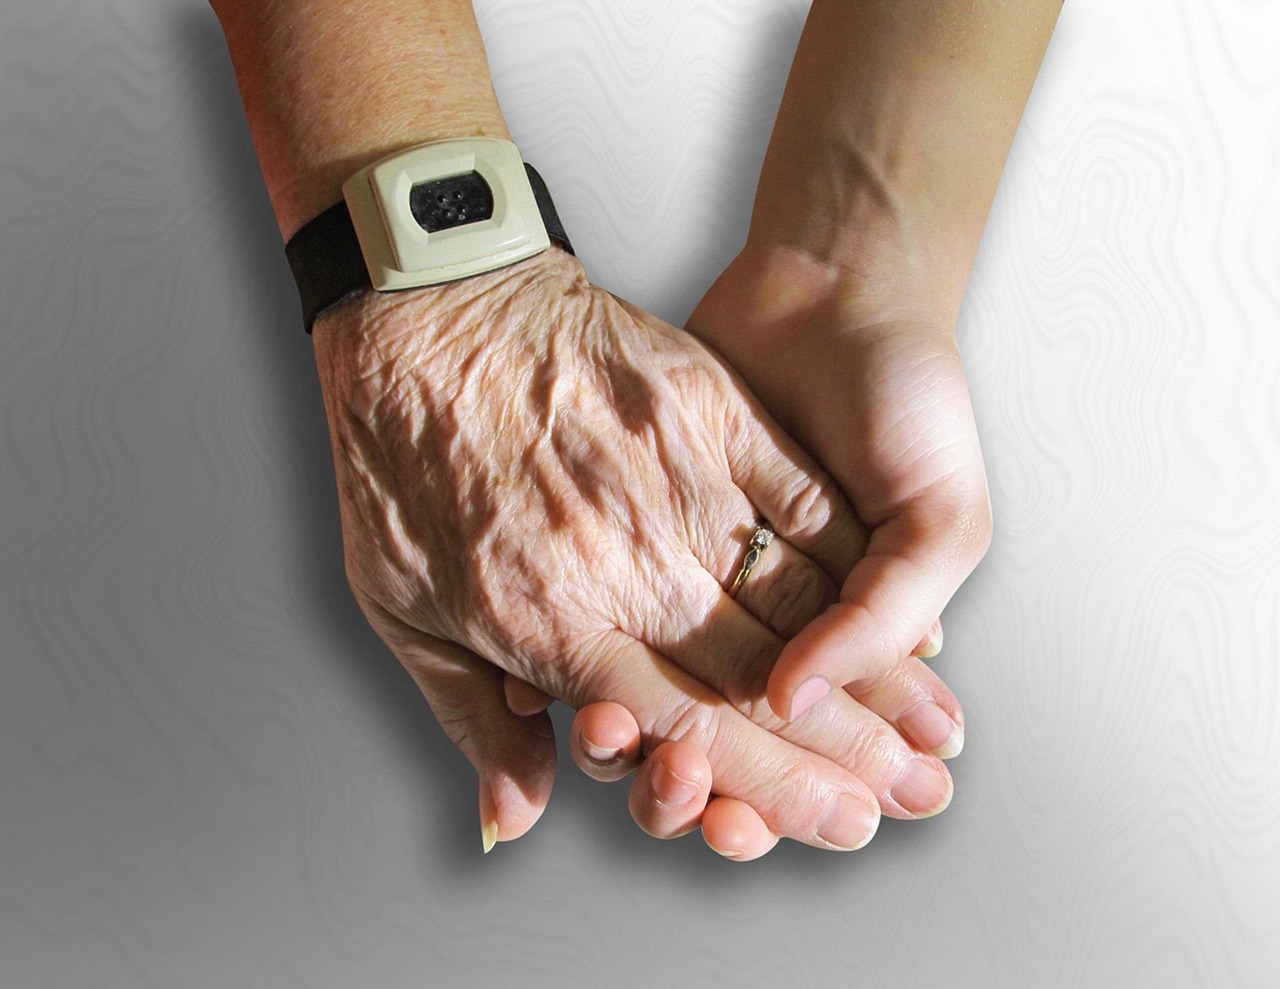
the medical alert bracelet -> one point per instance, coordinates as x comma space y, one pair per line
429, 214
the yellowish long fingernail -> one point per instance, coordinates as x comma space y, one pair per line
933, 645
489, 835
932, 730
953, 745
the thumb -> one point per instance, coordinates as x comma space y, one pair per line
513, 755
913, 565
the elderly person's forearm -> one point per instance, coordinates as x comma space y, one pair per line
332, 85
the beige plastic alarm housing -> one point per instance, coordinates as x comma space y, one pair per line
400, 254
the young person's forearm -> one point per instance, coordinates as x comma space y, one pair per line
892, 134
331, 85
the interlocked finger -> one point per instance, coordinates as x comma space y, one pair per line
605, 741
671, 789
796, 791
733, 829
732, 652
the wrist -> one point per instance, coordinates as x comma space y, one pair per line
849, 214
432, 317
892, 132
305, 184
868, 277
328, 88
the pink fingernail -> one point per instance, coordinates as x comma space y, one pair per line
923, 789
598, 753
850, 823
932, 645
727, 853
670, 789
932, 729
808, 694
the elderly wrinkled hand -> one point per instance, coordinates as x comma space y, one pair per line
540, 480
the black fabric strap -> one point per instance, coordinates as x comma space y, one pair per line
550, 218
326, 261
327, 264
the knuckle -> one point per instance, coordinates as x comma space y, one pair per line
875, 752
810, 501
744, 686
695, 722
957, 514
571, 677
882, 653
754, 706
976, 528
968, 523
791, 598
798, 803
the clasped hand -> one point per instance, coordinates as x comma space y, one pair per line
545, 493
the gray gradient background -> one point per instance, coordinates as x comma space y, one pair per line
212, 773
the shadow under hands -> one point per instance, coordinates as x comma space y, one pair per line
272, 331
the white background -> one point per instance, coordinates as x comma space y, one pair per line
212, 773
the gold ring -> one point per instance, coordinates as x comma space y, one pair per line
757, 544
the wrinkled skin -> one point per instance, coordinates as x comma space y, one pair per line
538, 478
857, 368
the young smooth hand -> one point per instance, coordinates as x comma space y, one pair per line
877, 394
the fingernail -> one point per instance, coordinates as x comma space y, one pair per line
850, 823
598, 753
726, 853
933, 644
489, 835
932, 729
808, 694
923, 789
672, 790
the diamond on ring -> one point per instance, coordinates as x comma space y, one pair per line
757, 544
